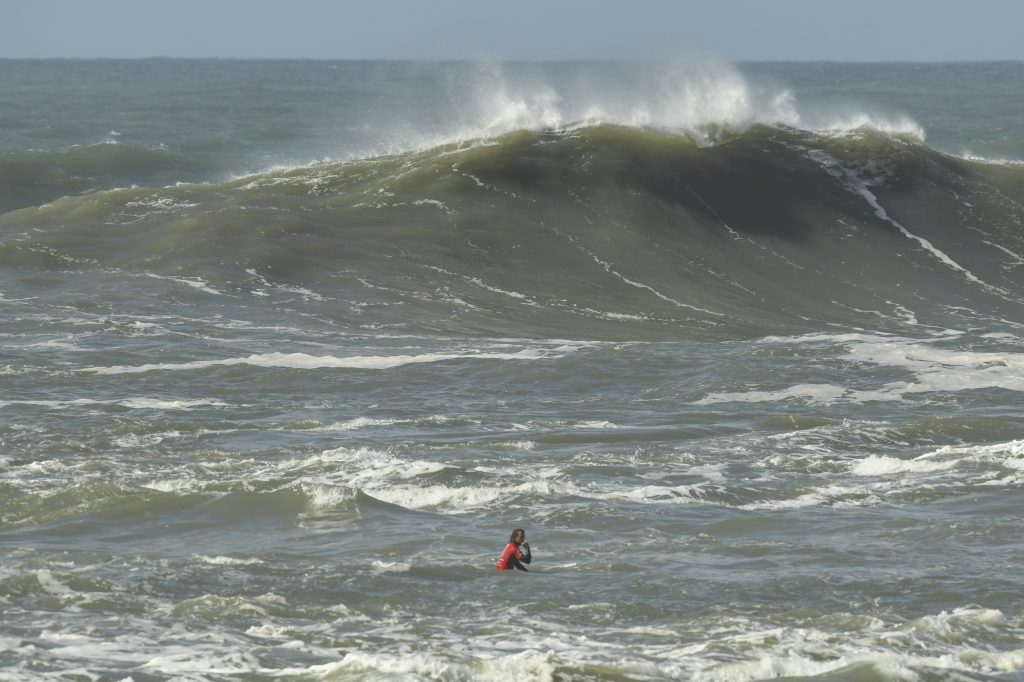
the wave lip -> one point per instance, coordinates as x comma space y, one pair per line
705, 99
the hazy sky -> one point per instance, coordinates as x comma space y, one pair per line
844, 30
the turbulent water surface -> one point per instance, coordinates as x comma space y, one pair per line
289, 348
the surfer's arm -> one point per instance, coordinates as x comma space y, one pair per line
521, 557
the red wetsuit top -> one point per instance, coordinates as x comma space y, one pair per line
514, 557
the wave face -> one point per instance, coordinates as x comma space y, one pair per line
600, 232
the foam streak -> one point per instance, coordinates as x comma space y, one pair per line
305, 361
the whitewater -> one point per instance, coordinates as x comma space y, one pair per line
288, 348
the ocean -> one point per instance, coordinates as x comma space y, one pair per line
288, 348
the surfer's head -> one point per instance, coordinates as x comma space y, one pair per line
518, 536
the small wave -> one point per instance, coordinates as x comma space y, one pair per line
886, 478
517, 445
356, 424
227, 561
131, 403
824, 394
325, 497
734, 649
883, 465
935, 369
133, 440
530, 664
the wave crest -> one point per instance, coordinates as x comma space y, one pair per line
701, 98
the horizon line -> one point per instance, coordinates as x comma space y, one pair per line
527, 60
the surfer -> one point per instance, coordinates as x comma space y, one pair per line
517, 552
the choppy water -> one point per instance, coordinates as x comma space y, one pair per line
288, 349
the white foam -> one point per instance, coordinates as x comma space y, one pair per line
700, 96
132, 403
158, 404
790, 665
184, 660
614, 316
172, 485
935, 370
306, 361
292, 289
1017, 258
998, 161
370, 464
133, 440
226, 560
494, 667
357, 423
407, 483
347, 612
995, 464
1001, 463
432, 202
936, 644
938, 369
853, 181
813, 393
323, 497
1005, 661
439, 497
950, 625
594, 424
160, 204
517, 445
194, 282
54, 343
640, 285
881, 465
846, 123
659, 494
53, 404
727, 650
69, 646
828, 496
51, 584
511, 294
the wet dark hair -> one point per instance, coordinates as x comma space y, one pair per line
516, 532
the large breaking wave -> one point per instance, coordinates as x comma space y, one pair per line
679, 204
